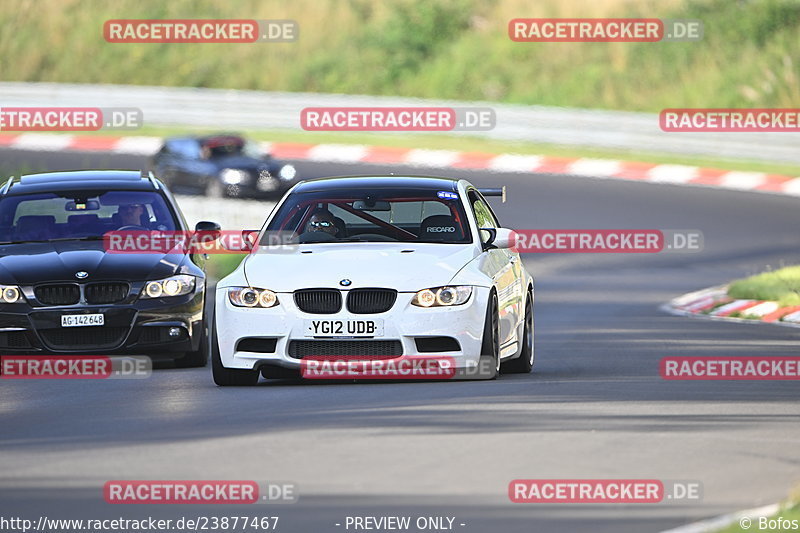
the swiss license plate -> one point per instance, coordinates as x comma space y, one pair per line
344, 328
71, 321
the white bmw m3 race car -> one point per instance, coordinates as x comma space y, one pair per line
384, 268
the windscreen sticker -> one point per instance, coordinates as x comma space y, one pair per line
445, 195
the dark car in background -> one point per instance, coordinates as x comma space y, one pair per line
221, 166
62, 291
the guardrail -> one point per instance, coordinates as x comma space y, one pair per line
234, 109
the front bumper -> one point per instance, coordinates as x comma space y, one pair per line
403, 323
141, 327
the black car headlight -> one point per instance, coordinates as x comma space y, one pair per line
233, 176
442, 296
287, 172
252, 297
167, 287
11, 294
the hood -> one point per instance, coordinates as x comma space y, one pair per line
406, 267
25, 264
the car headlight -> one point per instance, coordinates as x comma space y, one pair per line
232, 176
287, 172
252, 297
10, 294
442, 296
171, 286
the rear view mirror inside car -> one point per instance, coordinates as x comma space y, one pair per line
82, 205
372, 205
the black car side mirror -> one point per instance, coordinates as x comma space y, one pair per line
205, 225
488, 235
206, 235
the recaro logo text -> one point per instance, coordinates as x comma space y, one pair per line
441, 229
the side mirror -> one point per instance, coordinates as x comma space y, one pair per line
488, 235
498, 238
206, 235
205, 225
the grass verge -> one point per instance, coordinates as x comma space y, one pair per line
781, 285
220, 265
452, 49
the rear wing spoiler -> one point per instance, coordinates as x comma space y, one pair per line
498, 191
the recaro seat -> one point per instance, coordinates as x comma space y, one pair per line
440, 228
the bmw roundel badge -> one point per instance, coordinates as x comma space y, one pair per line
345, 283
81, 274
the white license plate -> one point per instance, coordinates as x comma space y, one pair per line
344, 328
71, 321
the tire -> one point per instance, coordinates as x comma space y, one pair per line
489, 366
197, 358
228, 377
215, 189
524, 363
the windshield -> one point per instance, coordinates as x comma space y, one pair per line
219, 147
380, 215
81, 214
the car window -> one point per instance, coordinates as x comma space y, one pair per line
405, 215
185, 148
223, 147
401, 213
78, 214
483, 213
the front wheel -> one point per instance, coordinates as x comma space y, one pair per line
489, 366
228, 377
197, 358
524, 363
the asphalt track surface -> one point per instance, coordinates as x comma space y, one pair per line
595, 406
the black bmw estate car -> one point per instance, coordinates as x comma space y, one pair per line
63, 292
220, 166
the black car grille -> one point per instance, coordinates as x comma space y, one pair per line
83, 337
300, 349
60, 294
318, 301
70, 293
370, 301
14, 339
106, 293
